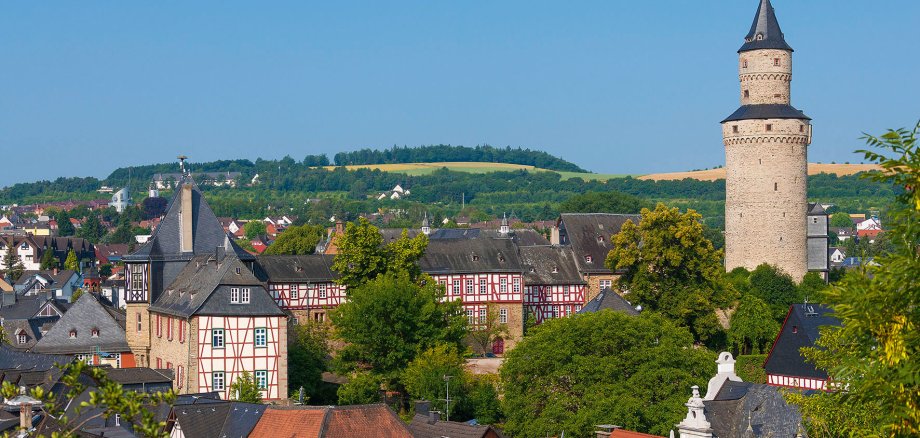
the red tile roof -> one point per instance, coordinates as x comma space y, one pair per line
331, 422
620, 433
284, 423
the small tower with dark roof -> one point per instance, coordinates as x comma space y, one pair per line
504, 229
426, 225
766, 158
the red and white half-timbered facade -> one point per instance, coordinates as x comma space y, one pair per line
546, 301
227, 346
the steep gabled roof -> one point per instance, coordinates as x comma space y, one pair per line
83, 317
331, 422
589, 234
423, 426
202, 288
740, 404
220, 419
447, 256
765, 32
207, 232
800, 329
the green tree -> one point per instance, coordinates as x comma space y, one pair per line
483, 398
49, 261
245, 389
254, 229
387, 321
875, 353
72, 263
297, 240
77, 293
65, 228
92, 229
307, 353
363, 255
123, 233
572, 374
752, 327
812, 284
604, 202
361, 389
670, 267
775, 288
483, 334
108, 399
12, 265
424, 378
105, 271
841, 220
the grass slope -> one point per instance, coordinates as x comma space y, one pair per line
715, 174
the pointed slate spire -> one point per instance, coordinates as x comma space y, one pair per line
426, 225
504, 229
765, 32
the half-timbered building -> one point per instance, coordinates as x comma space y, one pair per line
194, 305
553, 287
785, 365
589, 235
304, 285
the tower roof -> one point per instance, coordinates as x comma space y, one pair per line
765, 32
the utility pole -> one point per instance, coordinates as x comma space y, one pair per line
447, 400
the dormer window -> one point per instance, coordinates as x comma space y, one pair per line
73, 334
21, 338
95, 333
298, 268
475, 258
795, 329
238, 270
759, 37
589, 259
555, 269
239, 295
600, 239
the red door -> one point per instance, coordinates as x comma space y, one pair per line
498, 346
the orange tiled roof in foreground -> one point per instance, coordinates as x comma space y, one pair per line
620, 433
330, 422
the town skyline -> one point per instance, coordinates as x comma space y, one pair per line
587, 83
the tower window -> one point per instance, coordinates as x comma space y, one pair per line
776, 62
744, 63
769, 127
775, 186
760, 37
747, 94
735, 129
777, 95
801, 128
760, 161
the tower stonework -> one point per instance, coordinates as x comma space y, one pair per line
766, 154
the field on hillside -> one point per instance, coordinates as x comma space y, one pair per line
714, 174
473, 167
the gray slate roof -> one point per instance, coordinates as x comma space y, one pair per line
32, 328
540, 262
799, 330
127, 376
203, 288
11, 359
422, 427
446, 256
740, 404
219, 420
609, 299
582, 231
208, 234
767, 27
313, 268
766, 111
85, 315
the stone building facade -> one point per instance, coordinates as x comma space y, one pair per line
766, 154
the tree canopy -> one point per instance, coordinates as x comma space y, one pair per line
254, 229
670, 267
387, 321
362, 254
574, 373
245, 389
776, 288
752, 327
604, 202
297, 240
72, 263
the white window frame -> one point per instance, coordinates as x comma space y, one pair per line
483, 313
516, 285
261, 379
294, 292
217, 334
22, 338
503, 316
234, 295
469, 316
260, 337
503, 285
321, 290
217, 377
245, 294
483, 286
456, 286
470, 287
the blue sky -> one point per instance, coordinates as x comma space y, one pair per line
615, 86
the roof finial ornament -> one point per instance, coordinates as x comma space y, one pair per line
504, 229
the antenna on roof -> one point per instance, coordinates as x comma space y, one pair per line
182, 169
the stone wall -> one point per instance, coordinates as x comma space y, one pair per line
138, 341
173, 351
764, 80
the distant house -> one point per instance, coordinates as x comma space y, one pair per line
396, 192
843, 233
121, 200
870, 234
785, 364
302, 284
57, 283
143, 380
218, 179
93, 332
836, 255
872, 223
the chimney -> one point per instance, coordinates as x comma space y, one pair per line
434, 417
185, 219
219, 254
55, 270
339, 227
422, 407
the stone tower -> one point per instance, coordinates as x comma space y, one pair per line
766, 142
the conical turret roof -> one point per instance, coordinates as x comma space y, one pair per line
765, 32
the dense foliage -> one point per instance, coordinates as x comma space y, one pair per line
363, 256
307, 351
297, 240
444, 153
670, 267
604, 202
875, 354
574, 373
